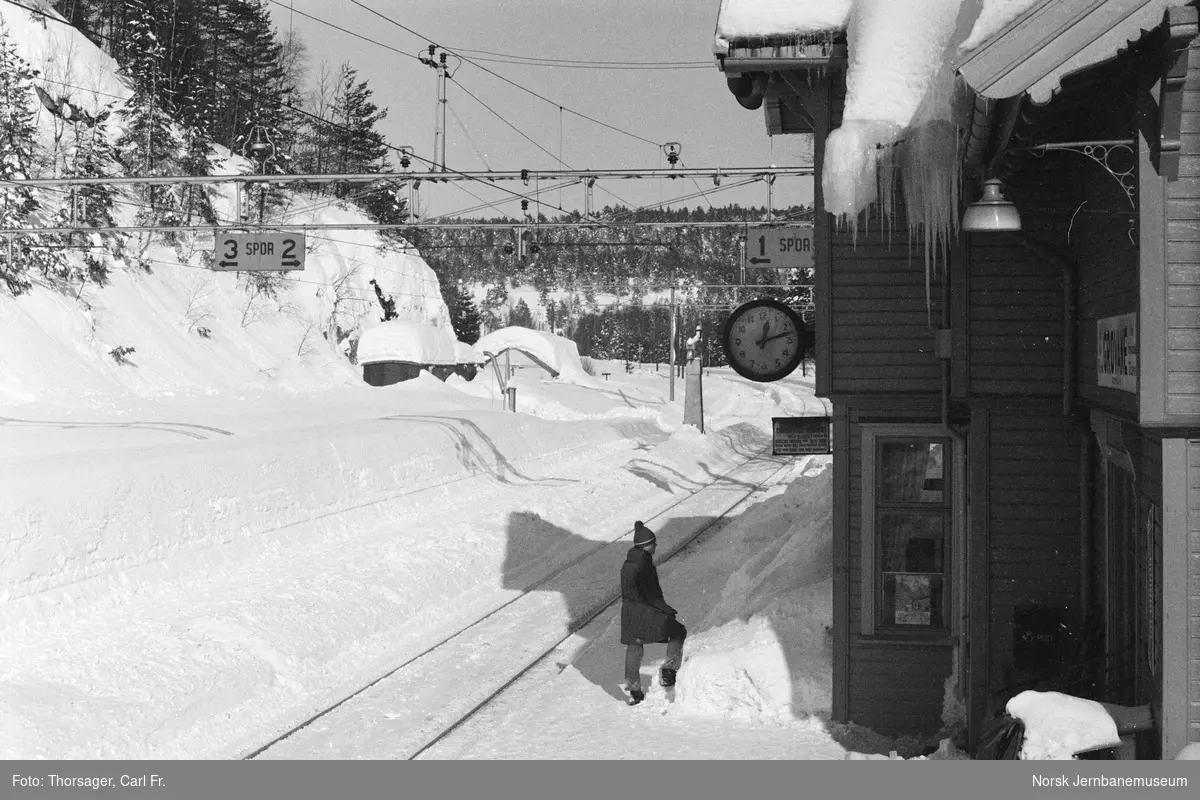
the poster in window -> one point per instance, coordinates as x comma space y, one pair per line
914, 599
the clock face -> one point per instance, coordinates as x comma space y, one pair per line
763, 340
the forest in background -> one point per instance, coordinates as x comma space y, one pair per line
216, 72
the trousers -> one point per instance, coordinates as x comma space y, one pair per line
634, 653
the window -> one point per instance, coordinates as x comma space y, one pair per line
908, 521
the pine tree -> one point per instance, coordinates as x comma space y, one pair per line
521, 315
93, 156
149, 145
19, 207
355, 145
464, 315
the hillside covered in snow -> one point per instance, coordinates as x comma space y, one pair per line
98, 315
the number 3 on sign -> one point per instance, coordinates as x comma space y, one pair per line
229, 257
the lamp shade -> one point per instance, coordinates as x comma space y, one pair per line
991, 212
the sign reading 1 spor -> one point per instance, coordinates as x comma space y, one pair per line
780, 248
259, 252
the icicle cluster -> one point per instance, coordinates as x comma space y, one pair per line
898, 132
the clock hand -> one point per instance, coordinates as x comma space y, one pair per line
763, 341
776, 336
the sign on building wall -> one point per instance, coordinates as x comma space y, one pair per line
1116, 352
801, 436
780, 248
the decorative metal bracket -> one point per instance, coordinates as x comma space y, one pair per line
1100, 152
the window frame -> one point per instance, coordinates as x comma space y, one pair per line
954, 471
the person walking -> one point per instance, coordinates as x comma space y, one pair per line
645, 616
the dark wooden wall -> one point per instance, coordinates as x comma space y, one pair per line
1033, 460
1016, 321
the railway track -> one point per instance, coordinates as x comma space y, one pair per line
467, 669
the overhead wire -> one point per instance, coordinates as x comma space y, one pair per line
503, 78
472, 95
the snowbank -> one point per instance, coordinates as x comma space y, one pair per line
1057, 726
411, 342
556, 352
764, 652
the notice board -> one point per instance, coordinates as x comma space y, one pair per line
801, 436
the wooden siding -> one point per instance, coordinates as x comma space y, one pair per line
880, 339
1033, 526
880, 669
1104, 248
1015, 321
1193, 591
1183, 260
1178, 623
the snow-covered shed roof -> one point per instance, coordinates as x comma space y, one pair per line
410, 342
556, 354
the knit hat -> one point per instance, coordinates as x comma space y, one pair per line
641, 534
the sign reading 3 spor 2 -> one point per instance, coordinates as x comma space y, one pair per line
259, 252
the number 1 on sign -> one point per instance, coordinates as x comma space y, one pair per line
762, 245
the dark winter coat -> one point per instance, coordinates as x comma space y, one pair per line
645, 615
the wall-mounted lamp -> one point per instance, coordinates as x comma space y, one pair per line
991, 212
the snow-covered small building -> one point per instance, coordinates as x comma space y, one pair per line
1016, 413
397, 351
557, 355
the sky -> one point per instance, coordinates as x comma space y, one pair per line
690, 105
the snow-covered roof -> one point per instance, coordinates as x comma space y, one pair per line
760, 19
467, 354
410, 342
556, 353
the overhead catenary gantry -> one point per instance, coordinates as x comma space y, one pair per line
587, 177
488, 176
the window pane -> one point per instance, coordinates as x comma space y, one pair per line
911, 472
911, 542
913, 600
912, 563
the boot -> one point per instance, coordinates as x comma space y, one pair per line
667, 677
635, 696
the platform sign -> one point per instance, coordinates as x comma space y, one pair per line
801, 436
258, 252
780, 248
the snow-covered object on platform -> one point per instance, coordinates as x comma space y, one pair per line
1057, 726
410, 342
994, 16
744, 19
1189, 753
555, 353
